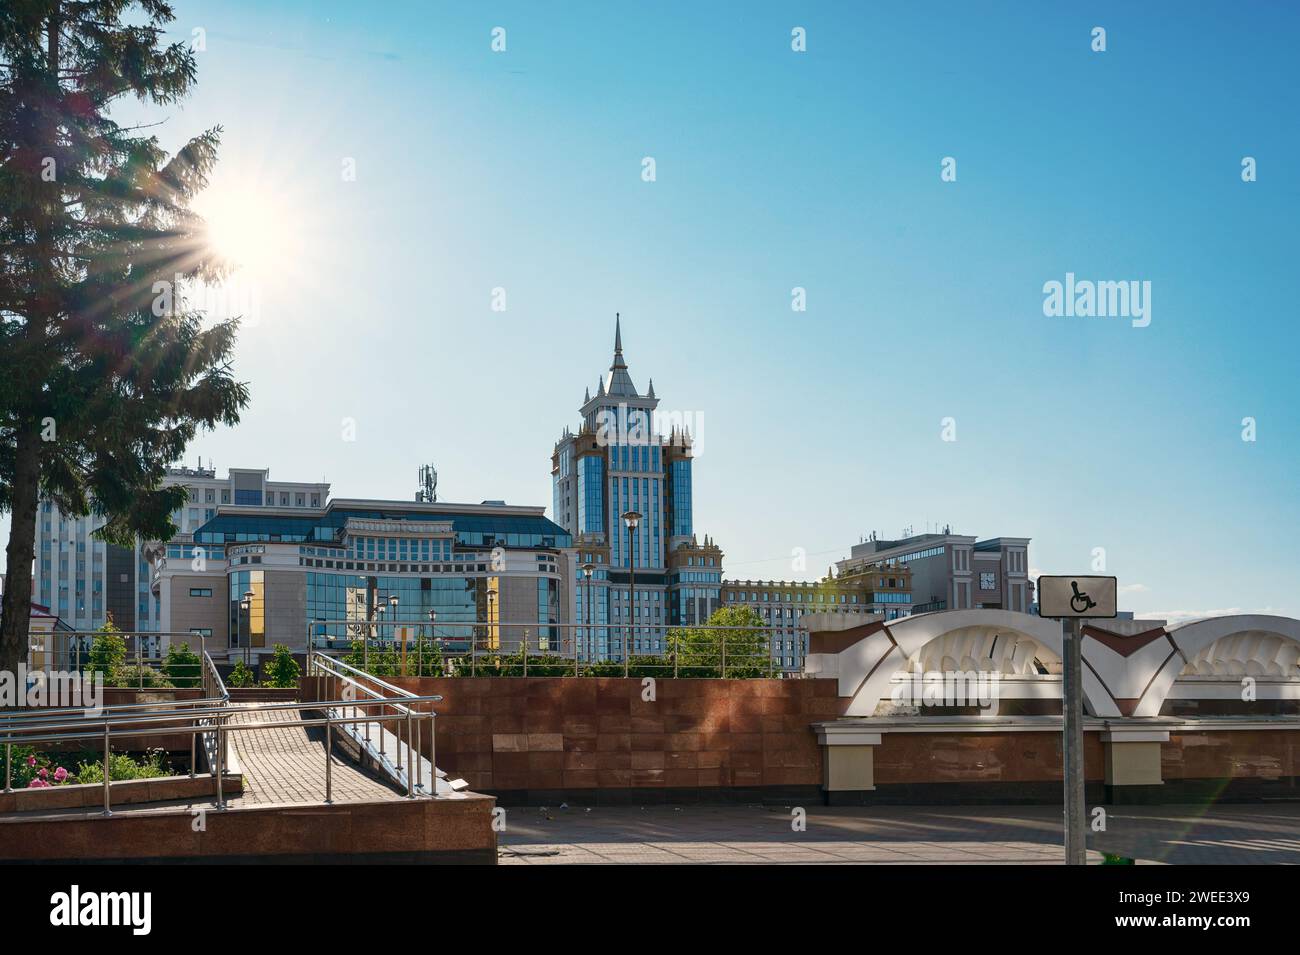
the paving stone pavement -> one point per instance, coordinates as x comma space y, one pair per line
1249, 834
288, 765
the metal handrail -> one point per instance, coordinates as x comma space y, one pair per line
211, 675
52, 712
51, 640
319, 663
336, 662
574, 644
127, 719
220, 715
15, 737
216, 744
209, 717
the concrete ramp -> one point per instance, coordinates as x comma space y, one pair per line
286, 766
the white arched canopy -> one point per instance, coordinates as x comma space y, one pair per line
1001, 641
1122, 675
1230, 647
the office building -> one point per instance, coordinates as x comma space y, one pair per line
84, 581
659, 574
883, 591
953, 572
253, 576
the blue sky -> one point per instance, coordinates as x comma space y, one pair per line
776, 169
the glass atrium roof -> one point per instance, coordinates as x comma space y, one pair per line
471, 530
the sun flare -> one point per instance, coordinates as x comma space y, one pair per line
252, 230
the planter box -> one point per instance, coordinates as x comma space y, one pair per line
121, 792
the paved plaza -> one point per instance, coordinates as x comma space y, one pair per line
1230, 834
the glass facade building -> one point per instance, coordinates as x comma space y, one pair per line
85, 581
619, 461
351, 568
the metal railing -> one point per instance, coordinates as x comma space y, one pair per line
521, 649
215, 743
210, 717
357, 681
144, 665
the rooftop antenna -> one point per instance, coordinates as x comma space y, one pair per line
428, 490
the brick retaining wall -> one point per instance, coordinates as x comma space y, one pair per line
543, 740
550, 739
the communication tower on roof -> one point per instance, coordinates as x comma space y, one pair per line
428, 489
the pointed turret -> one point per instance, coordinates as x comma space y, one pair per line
618, 383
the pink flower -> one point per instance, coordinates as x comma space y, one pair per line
60, 774
31, 760
42, 772
38, 784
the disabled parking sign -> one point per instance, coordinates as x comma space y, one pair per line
1077, 597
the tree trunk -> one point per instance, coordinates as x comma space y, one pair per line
15, 620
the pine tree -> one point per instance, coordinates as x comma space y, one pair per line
105, 373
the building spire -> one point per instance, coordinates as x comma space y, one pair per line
618, 345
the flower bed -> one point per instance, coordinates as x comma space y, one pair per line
37, 770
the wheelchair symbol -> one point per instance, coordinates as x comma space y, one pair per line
1080, 602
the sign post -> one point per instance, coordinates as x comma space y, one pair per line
1075, 599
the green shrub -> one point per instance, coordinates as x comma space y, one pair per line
282, 671
700, 653
424, 658
124, 766
241, 676
107, 653
182, 666
142, 676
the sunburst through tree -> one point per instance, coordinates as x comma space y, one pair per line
108, 373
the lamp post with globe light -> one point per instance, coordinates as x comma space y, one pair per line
632, 520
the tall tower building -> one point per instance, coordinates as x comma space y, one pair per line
619, 462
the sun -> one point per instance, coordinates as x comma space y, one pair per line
252, 229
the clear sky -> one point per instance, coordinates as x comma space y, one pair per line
774, 169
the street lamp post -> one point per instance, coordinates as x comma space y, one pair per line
632, 519
587, 570
246, 605
392, 602
433, 639
358, 629
473, 639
